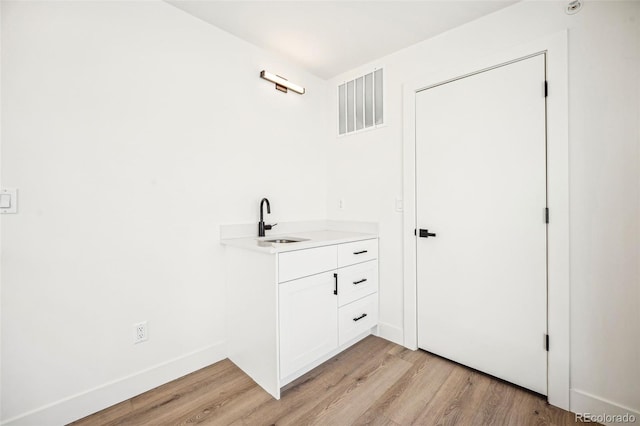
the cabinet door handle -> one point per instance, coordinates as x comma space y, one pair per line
360, 317
359, 282
335, 289
360, 252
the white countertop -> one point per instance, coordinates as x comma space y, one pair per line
313, 239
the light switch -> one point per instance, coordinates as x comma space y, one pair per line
399, 204
8, 201
5, 201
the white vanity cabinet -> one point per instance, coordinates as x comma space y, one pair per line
290, 311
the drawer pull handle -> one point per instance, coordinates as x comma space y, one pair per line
360, 252
360, 317
359, 282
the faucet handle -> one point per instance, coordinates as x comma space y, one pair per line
267, 227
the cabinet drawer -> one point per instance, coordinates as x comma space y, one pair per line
356, 252
302, 263
357, 317
357, 281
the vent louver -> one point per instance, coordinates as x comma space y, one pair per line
361, 103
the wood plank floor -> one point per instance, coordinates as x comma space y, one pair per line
375, 382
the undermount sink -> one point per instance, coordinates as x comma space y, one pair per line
285, 240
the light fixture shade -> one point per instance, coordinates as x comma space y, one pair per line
281, 83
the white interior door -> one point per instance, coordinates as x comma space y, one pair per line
481, 188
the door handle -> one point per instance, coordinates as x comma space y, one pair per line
424, 233
335, 289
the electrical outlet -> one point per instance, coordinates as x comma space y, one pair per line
140, 332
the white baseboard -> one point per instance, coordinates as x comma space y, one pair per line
391, 333
585, 403
88, 402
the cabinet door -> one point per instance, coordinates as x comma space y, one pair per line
308, 321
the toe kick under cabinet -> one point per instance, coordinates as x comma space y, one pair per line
289, 312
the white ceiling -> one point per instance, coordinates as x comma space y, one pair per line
330, 37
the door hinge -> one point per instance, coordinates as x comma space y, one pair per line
546, 215
546, 89
546, 342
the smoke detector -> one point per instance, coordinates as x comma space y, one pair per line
573, 7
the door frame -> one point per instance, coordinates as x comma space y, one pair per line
558, 288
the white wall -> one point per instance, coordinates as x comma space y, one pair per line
132, 131
604, 88
0, 222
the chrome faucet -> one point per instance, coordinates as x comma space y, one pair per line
261, 225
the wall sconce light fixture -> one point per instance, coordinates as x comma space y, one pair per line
282, 84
